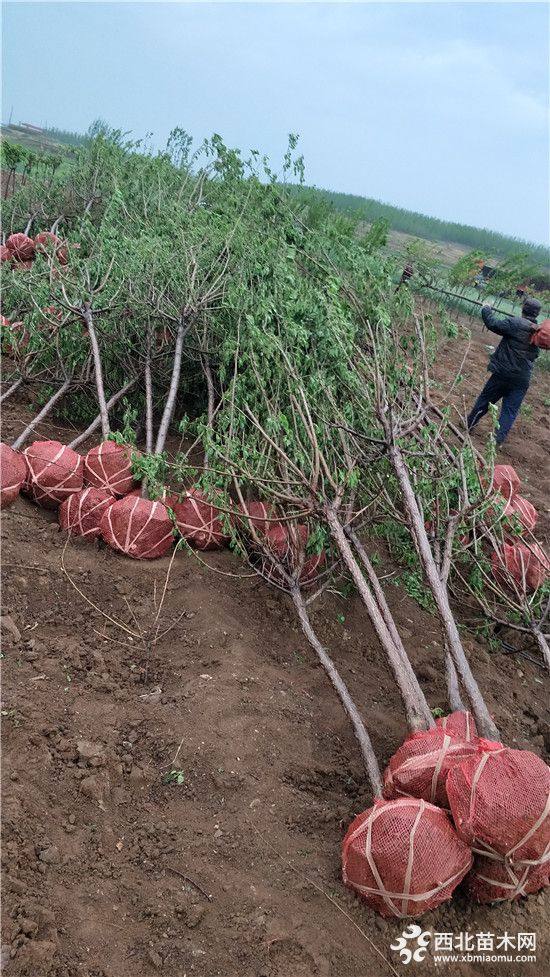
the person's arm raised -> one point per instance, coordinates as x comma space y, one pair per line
502, 327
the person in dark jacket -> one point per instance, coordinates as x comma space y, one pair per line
510, 366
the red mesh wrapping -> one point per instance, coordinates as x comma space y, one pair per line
506, 481
5, 253
13, 471
523, 510
541, 337
404, 857
63, 254
525, 566
494, 881
21, 247
15, 337
460, 724
109, 466
286, 548
138, 527
283, 545
313, 566
199, 522
46, 241
52, 312
421, 765
82, 512
53, 472
257, 514
500, 802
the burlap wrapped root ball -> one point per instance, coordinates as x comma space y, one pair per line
256, 516
137, 527
287, 542
494, 880
54, 472
48, 243
45, 240
13, 471
459, 723
81, 513
520, 567
21, 247
15, 337
109, 466
500, 803
506, 481
199, 522
522, 510
404, 857
422, 763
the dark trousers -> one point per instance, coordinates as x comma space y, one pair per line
511, 392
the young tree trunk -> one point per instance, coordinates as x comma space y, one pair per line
103, 409
183, 329
11, 390
7, 183
210, 392
387, 615
97, 422
363, 738
42, 414
413, 698
148, 405
543, 646
453, 687
486, 725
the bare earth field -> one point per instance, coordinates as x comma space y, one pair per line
109, 871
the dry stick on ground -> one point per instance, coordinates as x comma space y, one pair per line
319, 888
97, 421
47, 408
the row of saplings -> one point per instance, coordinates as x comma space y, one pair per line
452, 804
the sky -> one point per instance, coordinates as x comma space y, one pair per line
436, 107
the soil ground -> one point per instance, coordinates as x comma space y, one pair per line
110, 870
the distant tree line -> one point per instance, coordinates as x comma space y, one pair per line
64, 136
430, 228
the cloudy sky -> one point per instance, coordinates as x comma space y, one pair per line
437, 107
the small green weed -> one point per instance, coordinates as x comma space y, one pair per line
174, 777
